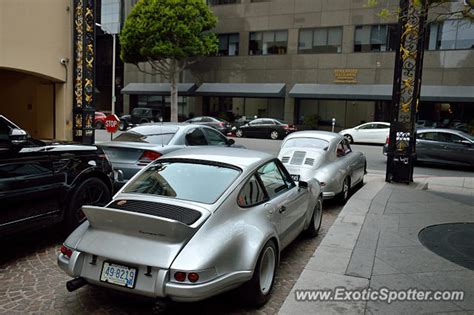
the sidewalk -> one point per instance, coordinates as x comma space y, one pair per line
374, 244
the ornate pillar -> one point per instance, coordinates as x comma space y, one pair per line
406, 91
84, 70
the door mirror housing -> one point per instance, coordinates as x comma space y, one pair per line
230, 142
18, 137
302, 184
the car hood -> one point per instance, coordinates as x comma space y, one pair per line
302, 161
62, 146
138, 231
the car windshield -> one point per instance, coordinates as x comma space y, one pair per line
281, 122
184, 180
161, 138
313, 143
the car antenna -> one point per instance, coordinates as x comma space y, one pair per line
162, 140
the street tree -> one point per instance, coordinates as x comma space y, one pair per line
164, 37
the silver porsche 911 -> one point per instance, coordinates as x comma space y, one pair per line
326, 156
193, 224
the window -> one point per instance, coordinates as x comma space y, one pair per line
273, 179
340, 150
251, 194
320, 40
268, 43
382, 37
214, 137
229, 44
219, 2
451, 34
196, 137
182, 180
312, 143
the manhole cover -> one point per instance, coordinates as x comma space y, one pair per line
453, 241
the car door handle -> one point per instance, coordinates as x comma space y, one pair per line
282, 209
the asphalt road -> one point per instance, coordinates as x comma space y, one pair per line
376, 161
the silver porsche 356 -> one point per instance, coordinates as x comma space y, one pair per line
192, 225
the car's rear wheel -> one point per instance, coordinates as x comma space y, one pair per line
274, 135
349, 138
239, 133
91, 191
345, 192
258, 290
99, 125
316, 219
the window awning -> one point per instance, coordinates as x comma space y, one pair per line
242, 89
380, 92
184, 89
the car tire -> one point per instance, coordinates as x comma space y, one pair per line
349, 138
92, 191
258, 290
239, 133
316, 219
99, 125
345, 192
274, 135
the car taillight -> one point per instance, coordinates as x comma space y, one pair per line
180, 276
66, 251
149, 156
193, 277
221, 124
387, 140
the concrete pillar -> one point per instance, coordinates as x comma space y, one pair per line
289, 109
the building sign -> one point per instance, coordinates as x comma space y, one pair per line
345, 75
83, 75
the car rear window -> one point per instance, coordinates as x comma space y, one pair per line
183, 180
163, 138
313, 143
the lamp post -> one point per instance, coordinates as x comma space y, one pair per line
113, 63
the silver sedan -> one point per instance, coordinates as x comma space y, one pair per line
137, 147
326, 156
193, 224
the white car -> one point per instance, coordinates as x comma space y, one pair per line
371, 132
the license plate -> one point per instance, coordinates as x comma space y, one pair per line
118, 274
296, 178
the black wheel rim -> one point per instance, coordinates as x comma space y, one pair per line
91, 195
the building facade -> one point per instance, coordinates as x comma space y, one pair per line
35, 66
335, 59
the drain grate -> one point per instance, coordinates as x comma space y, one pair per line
452, 241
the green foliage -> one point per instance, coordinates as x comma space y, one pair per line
168, 29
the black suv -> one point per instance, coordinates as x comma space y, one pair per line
43, 183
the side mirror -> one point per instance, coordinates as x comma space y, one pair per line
18, 136
302, 184
230, 142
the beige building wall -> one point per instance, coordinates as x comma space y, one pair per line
36, 86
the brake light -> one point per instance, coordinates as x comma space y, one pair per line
180, 276
221, 124
193, 277
149, 156
66, 251
387, 140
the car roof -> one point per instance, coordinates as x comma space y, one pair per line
242, 158
453, 131
318, 134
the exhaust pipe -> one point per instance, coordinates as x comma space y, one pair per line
74, 284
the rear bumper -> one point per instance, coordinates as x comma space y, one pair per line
151, 281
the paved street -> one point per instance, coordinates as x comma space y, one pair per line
32, 282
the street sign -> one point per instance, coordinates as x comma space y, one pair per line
112, 123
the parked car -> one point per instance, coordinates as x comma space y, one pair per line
142, 115
216, 123
194, 224
99, 120
326, 156
443, 146
372, 132
44, 183
137, 147
265, 128
125, 122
